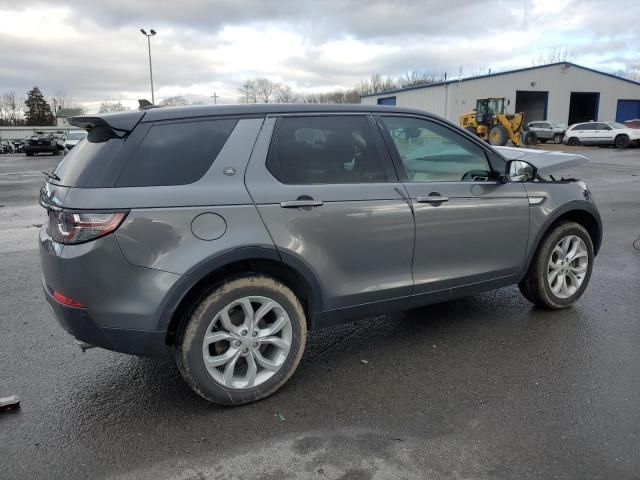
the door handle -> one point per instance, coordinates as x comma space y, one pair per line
432, 199
301, 203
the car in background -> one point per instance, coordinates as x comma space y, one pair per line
41, 143
72, 138
602, 133
635, 123
545, 130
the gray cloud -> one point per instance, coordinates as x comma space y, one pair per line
208, 45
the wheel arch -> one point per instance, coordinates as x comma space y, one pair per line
583, 214
262, 260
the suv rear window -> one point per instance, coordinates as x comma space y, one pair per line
90, 162
176, 153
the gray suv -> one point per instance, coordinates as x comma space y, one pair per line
224, 233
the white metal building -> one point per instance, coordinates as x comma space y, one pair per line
563, 92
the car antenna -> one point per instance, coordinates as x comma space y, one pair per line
144, 104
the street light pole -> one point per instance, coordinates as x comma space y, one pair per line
149, 35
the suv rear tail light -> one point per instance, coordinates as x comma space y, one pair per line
78, 227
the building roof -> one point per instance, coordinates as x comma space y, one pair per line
497, 74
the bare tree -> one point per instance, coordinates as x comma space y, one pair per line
284, 94
631, 73
553, 55
176, 101
60, 101
112, 105
377, 83
11, 110
417, 77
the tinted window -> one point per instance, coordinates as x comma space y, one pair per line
433, 153
176, 153
585, 126
88, 163
603, 126
321, 150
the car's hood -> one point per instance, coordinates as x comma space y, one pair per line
545, 162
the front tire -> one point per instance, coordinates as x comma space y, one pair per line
561, 267
498, 136
243, 340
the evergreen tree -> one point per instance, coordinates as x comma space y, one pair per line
38, 111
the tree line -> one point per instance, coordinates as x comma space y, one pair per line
36, 109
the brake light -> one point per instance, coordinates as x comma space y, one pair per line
66, 300
78, 227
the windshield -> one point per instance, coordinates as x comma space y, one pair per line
76, 135
616, 125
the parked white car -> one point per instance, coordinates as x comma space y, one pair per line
602, 133
72, 138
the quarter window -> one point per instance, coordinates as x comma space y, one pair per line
433, 153
325, 150
176, 153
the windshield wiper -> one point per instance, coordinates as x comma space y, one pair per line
50, 174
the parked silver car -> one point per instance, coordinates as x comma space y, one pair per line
224, 233
548, 131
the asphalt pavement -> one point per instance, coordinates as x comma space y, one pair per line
487, 387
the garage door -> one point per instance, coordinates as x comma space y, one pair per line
387, 101
627, 110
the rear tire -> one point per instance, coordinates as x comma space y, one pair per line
574, 142
257, 354
29, 154
557, 139
621, 141
498, 136
545, 290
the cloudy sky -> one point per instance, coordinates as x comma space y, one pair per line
94, 50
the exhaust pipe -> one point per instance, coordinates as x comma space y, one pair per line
84, 346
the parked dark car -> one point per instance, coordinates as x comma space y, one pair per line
548, 131
41, 143
223, 234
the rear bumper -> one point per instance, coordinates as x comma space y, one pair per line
78, 323
123, 302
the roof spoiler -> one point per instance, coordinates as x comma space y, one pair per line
120, 123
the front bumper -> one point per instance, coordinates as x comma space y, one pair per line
42, 148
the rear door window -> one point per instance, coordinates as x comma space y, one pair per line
176, 153
325, 150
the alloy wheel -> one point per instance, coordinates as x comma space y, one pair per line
247, 342
567, 266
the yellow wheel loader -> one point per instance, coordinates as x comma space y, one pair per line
490, 122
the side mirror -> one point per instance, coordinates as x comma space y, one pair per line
520, 171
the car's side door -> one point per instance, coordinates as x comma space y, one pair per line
604, 133
330, 198
471, 229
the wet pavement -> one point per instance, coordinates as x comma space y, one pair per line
484, 387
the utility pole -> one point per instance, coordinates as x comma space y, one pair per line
246, 88
151, 33
215, 98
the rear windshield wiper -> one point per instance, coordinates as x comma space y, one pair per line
50, 174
